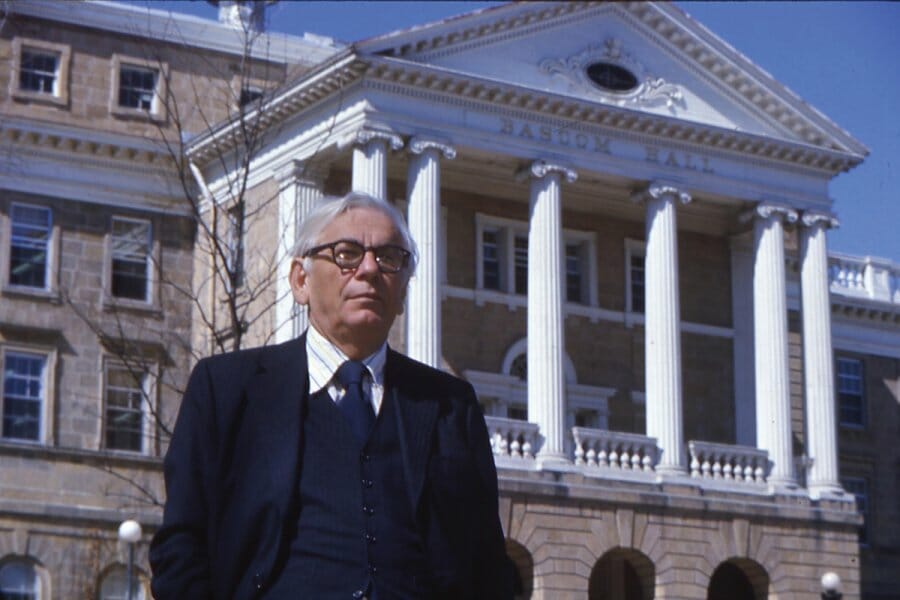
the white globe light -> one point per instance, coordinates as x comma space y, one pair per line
831, 582
130, 531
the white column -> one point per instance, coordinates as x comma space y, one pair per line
546, 340
770, 337
818, 370
423, 341
300, 189
370, 161
662, 326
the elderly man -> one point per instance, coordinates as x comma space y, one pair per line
331, 466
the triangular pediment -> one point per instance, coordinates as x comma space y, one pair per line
584, 50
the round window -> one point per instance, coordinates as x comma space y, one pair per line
611, 77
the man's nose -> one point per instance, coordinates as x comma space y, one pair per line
369, 265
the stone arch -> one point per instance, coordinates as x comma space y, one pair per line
738, 579
748, 546
520, 348
622, 574
524, 569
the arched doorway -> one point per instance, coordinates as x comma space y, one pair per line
524, 574
738, 579
622, 574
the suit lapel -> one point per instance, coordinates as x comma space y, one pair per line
416, 413
275, 398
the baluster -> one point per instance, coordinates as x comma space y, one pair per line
592, 453
705, 467
603, 455
635, 457
726, 468
695, 465
614, 457
515, 446
527, 447
717, 467
579, 451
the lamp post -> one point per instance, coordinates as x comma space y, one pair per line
831, 586
130, 533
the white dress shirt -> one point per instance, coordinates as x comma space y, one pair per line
324, 358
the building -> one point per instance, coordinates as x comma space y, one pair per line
622, 228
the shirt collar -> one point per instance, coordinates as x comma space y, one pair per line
324, 358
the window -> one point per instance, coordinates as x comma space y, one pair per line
24, 393
490, 259
859, 488
19, 580
30, 233
502, 258
634, 275
520, 250
126, 393
41, 71
574, 270
130, 259
115, 585
138, 88
38, 71
850, 392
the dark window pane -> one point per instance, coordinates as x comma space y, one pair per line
37, 71
637, 284
137, 87
130, 259
573, 273
521, 264
124, 415
29, 245
23, 382
490, 253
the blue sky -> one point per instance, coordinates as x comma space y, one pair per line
840, 57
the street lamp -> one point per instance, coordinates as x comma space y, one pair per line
130, 533
831, 586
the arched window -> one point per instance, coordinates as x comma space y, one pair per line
114, 585
19, 580
738, 579
622, 574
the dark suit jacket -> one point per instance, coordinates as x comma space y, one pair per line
232, 466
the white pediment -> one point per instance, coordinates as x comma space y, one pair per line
681, 70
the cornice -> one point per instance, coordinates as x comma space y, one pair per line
713, 58
88, 143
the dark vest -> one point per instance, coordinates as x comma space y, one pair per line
356, 529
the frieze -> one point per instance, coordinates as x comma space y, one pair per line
593, 142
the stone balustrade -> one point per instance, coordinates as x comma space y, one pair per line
728, 463
614, 449
512, 437
864, 277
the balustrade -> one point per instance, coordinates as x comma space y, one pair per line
614, 449
512, 437
728, 463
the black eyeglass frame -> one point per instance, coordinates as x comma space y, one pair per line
404, 253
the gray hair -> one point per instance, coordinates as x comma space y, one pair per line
318, 219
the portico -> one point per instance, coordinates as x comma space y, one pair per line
606, 268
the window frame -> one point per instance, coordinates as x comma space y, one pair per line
41, 579
633, 249
840, 394
148, 403
150, 299
508, 231
157, 111
63, 52
50, 264
46, 410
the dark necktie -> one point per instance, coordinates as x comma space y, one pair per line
357, 410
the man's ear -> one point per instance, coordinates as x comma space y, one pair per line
298, 278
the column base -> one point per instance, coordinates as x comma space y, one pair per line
670, 471
829, 491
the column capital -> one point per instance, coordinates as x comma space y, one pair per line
811, 218
418, 145
296, 171
364, 136
764, 210
660, 189
541, 168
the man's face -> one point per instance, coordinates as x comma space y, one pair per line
354, 308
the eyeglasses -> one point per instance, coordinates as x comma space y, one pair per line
348, 254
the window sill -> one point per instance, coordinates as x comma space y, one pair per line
23, 291
37, 450
113, 304
40, 98
136, 114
